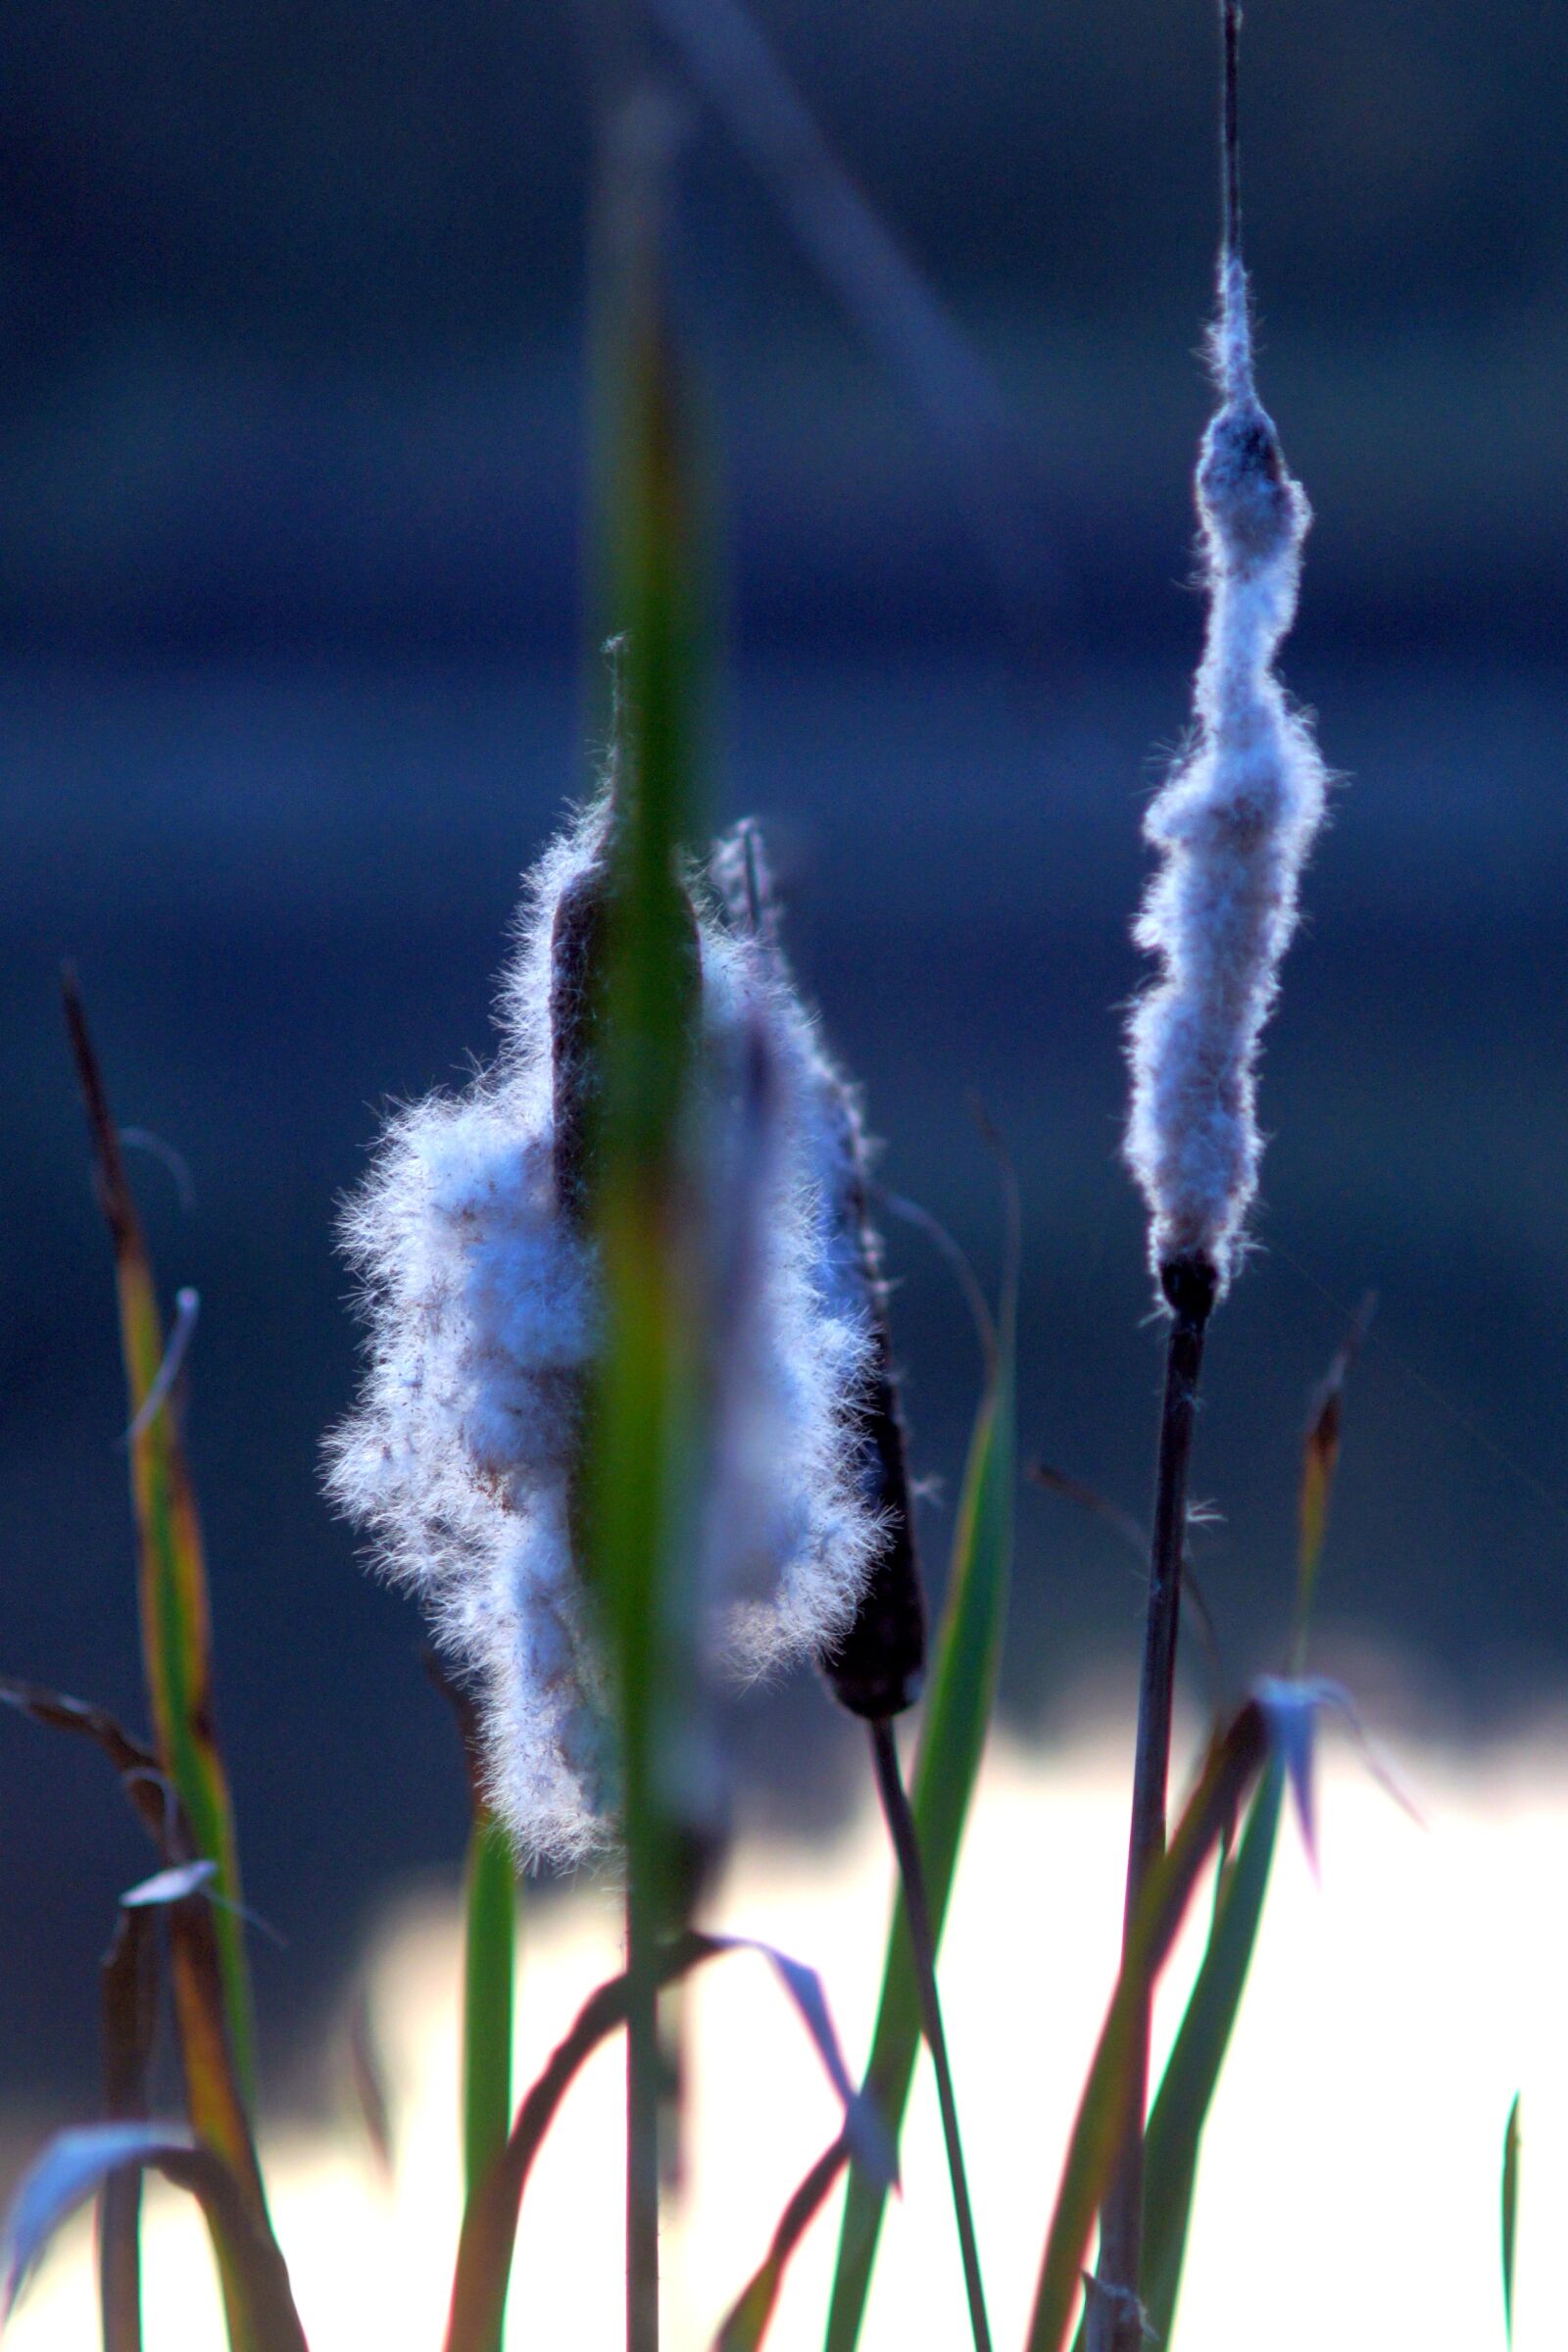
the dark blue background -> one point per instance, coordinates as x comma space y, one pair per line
290, 501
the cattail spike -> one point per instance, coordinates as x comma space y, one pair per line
876, 1671
476, 1241
1235, 820
876, 1666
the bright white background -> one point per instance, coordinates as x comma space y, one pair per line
1350, 2188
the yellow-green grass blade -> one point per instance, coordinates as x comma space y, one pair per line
1233, 1762
490, 1922
490, 1897
965, 1659
646, 533
1187, 2088
1511, 2210
633, 1505
175, 1625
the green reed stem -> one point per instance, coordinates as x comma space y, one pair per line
488, 1961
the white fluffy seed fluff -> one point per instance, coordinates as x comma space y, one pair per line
482, 1309
804, 1542
1233, 824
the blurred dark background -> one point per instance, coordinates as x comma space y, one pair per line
291, 486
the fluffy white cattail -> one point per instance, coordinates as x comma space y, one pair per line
876, 1668
481, 1297
1234, 824
793, 1527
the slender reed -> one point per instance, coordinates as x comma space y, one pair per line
911, 1875
1115, 2314
1233, 824
875, 1667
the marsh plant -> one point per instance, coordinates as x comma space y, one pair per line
629, 1426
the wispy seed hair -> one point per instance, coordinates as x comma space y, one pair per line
480, 1293
1234, 824
877, 1662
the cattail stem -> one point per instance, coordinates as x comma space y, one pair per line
1230, 130
917, 1911
1115, 2319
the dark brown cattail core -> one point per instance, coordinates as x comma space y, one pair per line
577, 960
877, 1669
1190, 1286
580, 953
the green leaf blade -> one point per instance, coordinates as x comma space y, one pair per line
1234, 1763
1510, 2209
489, 1959
1191, 2073
490, 1919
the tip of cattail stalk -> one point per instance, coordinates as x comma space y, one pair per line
1230, 139
1249, 508
1231, 336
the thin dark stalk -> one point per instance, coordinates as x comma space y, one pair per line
1135, 1536
1230, 131
642, 2130
911, 1873
1116, 2320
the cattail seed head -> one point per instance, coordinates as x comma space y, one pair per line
793, 1345
1234, 826
473, 1241
876, 1663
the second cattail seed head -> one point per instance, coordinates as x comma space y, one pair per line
876, 1664
473, 1238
